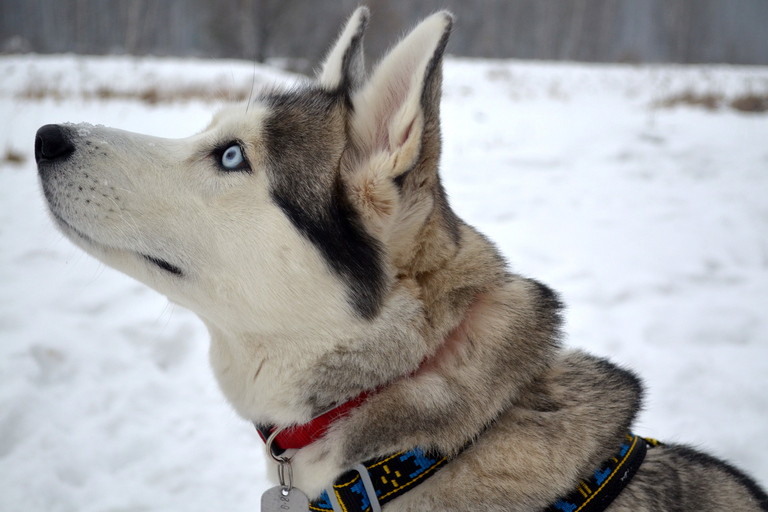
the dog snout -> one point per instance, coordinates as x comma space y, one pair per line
52, 143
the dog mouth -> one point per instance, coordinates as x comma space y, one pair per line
157, 262
162, 264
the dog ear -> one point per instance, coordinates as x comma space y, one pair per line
402, 99
391, 167
344, 67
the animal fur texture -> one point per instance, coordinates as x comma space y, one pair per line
310, 232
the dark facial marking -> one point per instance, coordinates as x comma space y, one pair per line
350, 252
305, 137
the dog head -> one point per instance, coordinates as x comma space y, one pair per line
289, 223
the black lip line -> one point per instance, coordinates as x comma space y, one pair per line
173, 269
69, 226
164, 265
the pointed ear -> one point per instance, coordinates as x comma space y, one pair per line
401, 100
344, 67
391, 168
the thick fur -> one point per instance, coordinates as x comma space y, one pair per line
330, 263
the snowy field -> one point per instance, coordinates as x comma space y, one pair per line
651, 221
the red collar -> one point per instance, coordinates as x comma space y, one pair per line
299, 436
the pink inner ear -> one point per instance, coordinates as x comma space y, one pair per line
406, 134
394, 92
401, 140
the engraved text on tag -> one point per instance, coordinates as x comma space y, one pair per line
278, 499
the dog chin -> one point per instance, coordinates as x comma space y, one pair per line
105, 252
72, 232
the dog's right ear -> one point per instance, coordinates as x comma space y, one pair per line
344, 67
391, 166
403, 95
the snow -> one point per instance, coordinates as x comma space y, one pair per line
652, 223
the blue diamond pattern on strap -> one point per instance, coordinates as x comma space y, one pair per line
359, 488
324, 502
419, 459
624, 450
600, 476
565, 506
387, 478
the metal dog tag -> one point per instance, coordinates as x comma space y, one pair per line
280, 499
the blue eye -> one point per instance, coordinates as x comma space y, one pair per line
232, 157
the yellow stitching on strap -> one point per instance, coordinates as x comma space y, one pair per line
338, 498
629, 452
386, 460
415, 479
357, 475
398, 488
355, 479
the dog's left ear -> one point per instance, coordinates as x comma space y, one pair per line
344, 67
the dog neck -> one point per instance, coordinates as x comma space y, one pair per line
299, 436
302, 435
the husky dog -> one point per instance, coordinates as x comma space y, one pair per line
310, 232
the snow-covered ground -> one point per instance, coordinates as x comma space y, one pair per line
652, 223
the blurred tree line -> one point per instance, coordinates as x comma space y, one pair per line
684, 31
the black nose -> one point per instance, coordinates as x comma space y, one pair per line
52, 143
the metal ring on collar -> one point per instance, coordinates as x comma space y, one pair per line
282, 463
270, 440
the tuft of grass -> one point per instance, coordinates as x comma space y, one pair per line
751, 103
40, 92
748, 102
150, 95
14, 157
709, 101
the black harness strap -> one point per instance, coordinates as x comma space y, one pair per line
389, 477
597, 492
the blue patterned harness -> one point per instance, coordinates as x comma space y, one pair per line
389, 477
